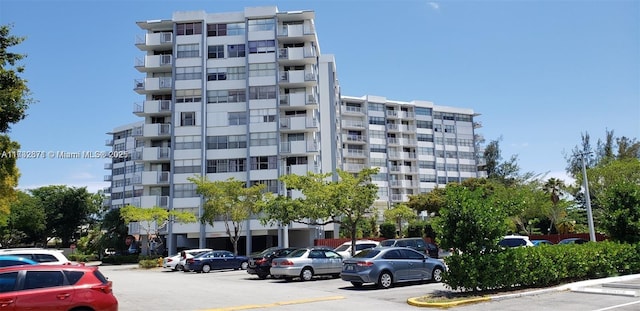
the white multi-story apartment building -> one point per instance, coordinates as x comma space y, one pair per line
249, 95
417, 145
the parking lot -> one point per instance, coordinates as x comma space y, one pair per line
159, 289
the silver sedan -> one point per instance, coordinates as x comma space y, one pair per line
306, 263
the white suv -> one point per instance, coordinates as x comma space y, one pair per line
515, 241
42, 256
345, 249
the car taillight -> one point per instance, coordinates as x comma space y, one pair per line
169, 260
286, 263
105, 288
190, 260
364, 263
260, 261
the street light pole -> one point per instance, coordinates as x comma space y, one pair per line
592, 233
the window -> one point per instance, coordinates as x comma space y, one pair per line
189, 29
235, 50
188, 73
215, 51
463, 117
187, 166
381, 162
376, 107
377, 134
427, 178
226, 96
235, 29
271, 185
226, 165
237, 118
263, 139
376, 120
43, 279
449, 128
425, 137
216, 30
264, 163
437, 127
262, 92
223, 73
227, 142
378, 148
188, 50
8, 281
262, 24
424, 124
295, 137
262, 70
188, 118
262, 115
188, 142
421, 111
427, 164
184, 190
262, 46
188, 96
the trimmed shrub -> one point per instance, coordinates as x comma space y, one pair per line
388, 230
148, 263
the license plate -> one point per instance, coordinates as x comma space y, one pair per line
349, 268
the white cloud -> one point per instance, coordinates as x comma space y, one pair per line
434, 5
562, 175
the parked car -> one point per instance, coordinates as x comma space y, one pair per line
573, 241
345, 249
56, 287
515, 241
260, 263
541, 242
216, 260
418, 244
176, 262
385, 266
43, 256
306, 263
9, 261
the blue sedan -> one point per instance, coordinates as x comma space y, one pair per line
385, 266
216, 260
8, 261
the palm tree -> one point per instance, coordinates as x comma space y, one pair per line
554, 187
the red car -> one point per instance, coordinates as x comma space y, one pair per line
55, 287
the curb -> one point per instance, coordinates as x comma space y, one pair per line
416, 303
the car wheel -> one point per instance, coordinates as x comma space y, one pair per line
206, 268
262, 276
436, 275
306, 274
385, 280
356, 284
179, 267
244, 265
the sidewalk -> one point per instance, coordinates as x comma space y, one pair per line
626, 285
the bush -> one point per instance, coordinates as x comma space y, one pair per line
388, 230
150, 263
120, 259
540, 266
82, 257
415, 229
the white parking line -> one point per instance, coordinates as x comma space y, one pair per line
619, 306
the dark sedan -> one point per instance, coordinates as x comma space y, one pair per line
385, 266
260, 263
216, 260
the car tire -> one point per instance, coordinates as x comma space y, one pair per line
436, 275
357, 284
306, 274
262, 276
206, 268
385, 280
244, 265
179, 267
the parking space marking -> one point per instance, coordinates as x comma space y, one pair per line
619, 306
277, 304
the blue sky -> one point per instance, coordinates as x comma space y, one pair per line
540, 73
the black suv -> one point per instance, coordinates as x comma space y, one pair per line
418, 244
260, 263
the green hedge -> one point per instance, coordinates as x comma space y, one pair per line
540, 266
82, 257
120, 259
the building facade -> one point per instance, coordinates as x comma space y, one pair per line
248, 95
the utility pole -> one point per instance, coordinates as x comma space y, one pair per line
592, 233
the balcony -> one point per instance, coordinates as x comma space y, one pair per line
298, 123
353, 124
403, 169
108, 166
154, 41
400, 198
403, 183
299, 55
108, 177
151, 201
350, 138
402, 141
157, 130
298, 147
108, 142
154, 63
354, 153
400, 127
351, 167
352, 110
155, 153
306, 29
297, 78
153, 85
297, 99
155, 178
152, 107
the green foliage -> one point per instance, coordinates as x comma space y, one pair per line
81, 257
428, 230
621, 220
148, 263
26, 223
431, 201
232, 201
120, 259
416, 229
540, 266
14, 93
399, 214
66, 209
474, 218
388, 230
114, 232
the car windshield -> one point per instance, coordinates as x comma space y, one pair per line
297, 253
268, 251
387, 243
343, 247
367, 253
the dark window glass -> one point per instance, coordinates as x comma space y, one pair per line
8, 281
43, 279
73, 276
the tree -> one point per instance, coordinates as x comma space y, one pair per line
66, 209
26, 223
554, 188
399, 214
431, 201
231, 200
347, 200
473, 220
151, 220
14, 101
115, 231
507, 172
